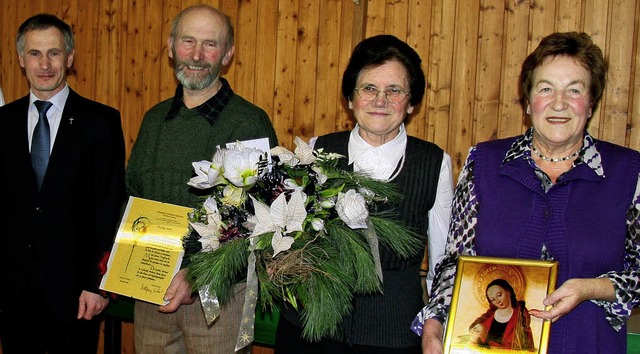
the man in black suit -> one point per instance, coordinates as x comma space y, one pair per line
58, 227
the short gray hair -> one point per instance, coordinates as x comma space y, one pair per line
226, 20
42, 22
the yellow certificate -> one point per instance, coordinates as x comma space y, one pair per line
148, 251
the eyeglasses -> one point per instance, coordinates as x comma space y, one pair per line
393, 95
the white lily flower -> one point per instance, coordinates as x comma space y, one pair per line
241, 165
352, 209
281, 218
208, 173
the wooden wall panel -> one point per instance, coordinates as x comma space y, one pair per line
419, 22
569, 15
244, 71
286, 59
323, 110
265, 73
596, 17
351, 32
463, 75
375, 17
439, 62
490, 57
290, 56
516, 47
307, 62
616, 107
166, 77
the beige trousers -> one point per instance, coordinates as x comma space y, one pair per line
186, 331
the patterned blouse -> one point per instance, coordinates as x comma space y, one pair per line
461, 238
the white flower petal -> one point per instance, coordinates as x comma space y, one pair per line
278, 211
286, 156
317, 224
262, 218
280, 243
295, 212
241, 166
304, 152
322, 178
201, 180
207, 175
351, 208
210, 205
203, 229
209, 243
233, 195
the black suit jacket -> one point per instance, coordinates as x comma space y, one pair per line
53, 240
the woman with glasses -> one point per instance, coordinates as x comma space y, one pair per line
382, 85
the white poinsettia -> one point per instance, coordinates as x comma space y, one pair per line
303, 154
208, 173
352, 209
281, 218
241, 165
210, 231
285, 155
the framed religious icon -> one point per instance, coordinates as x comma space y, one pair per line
490, 305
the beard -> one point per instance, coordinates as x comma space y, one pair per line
196, 81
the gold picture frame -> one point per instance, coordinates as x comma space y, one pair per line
531, 281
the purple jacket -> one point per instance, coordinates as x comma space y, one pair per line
581, 220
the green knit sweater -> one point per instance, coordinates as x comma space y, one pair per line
160, 163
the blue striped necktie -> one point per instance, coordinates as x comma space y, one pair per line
41, 142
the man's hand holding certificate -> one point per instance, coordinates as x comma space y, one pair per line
148, 250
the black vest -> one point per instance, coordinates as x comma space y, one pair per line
383, 320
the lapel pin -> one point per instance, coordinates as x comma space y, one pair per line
71, 120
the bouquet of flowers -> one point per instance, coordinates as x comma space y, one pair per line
296, 227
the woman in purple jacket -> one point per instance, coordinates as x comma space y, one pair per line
553, 193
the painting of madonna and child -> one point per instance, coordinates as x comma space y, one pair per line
490, 306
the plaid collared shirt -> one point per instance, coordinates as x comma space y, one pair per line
211, 109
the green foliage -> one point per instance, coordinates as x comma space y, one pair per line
331, 268
397, 236
220, 269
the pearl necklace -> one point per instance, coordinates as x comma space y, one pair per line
550, 159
